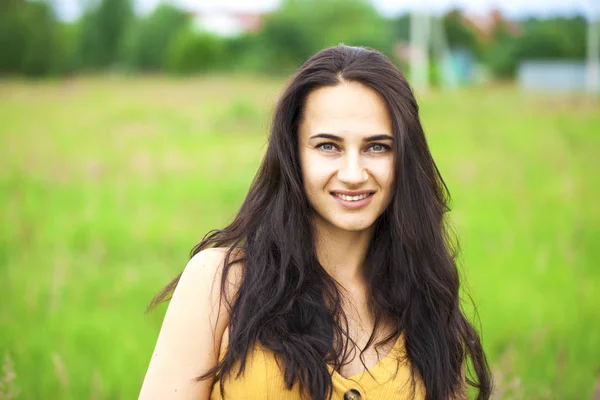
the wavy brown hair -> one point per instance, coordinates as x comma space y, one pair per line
287, 303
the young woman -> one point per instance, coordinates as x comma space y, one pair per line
336, 279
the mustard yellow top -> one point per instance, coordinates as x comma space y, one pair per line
263, 380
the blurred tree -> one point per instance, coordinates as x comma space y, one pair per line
192, 51
244, 53
401, 28
12, 35
41, 53
29, 38
148, 40
500, 55
67, 54
102, 31
459, 34
300, 28
556, 38
549, 39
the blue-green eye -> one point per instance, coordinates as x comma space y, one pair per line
327, 146
379, 147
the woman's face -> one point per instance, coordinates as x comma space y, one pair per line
347, 155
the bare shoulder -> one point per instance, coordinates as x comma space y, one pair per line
209, 263
208, 266
190, 336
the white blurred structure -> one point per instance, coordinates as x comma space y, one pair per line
556, 76
224, 22
567, 76
419, 49
427, 32
593, 54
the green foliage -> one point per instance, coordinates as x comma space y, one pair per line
301, 28
12, 36
67, 60
401, 28
39, 53
500, 56
458, 34
244, 53
192, 52
556, 38
108, 34
102, 31
29, 38
149, 39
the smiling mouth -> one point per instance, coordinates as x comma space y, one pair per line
352, 198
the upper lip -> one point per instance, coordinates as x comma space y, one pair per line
352, 192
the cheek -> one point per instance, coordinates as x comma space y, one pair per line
383, 172
316, 173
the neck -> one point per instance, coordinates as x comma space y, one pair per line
342, 253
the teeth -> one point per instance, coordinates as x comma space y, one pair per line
351, 198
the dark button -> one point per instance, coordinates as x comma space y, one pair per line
352, 394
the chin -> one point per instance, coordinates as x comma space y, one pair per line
353, 226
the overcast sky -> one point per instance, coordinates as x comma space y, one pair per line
515, 8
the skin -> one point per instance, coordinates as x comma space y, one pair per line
191, 334
189, 339
354, 114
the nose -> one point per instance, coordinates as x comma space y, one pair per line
352, 171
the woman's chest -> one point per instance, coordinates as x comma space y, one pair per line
263, 379
362, 346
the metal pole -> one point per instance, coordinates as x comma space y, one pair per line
419, 49
593, 53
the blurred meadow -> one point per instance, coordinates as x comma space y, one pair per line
106, 184
125, 139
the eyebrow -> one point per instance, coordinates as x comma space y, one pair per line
339, 139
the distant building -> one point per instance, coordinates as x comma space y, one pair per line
553, 76
227, 23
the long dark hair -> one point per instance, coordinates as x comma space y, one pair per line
286, 301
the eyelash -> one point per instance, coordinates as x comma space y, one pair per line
385, 146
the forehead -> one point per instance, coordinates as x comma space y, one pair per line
349, 107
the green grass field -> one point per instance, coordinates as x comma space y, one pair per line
107, 183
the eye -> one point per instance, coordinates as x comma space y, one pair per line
379, 147
327, 146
